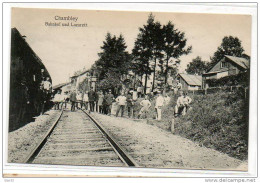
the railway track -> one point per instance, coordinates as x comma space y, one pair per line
77, 139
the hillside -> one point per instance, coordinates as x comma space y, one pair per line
218, 121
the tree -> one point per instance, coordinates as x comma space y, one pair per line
197, 66
161, 46
174, 47
147, 49
230, 46
113, 59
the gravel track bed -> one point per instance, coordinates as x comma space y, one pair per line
22, 141
153, 147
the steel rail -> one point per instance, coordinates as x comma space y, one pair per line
121, 152
37, 149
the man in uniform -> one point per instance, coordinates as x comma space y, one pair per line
92, 99
73, 99
109, 100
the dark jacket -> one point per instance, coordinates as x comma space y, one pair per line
109, 99
129, 100
73, 97
91, 96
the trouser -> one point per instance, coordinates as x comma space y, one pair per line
37, 107
96, 103
181, 109
159, 113
92, 105
42, 108
100, 109
56, 106
130, 110
73, 103
144, 111
65, 103
85, 105
139, 94
108, 108
104, 109
81, 104
61, 105
122, 107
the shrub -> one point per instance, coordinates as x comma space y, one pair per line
233, 80
218, 120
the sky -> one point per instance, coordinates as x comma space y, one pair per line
66, 49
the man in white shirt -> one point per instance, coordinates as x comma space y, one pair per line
183, 103
158, 106
57, 100
146, 104
121, 101
47, 85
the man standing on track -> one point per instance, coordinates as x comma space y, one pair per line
92, 98
73, 99
85, 100
109, 100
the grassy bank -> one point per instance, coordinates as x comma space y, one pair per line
218, 121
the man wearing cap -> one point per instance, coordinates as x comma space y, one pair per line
109, 100
73, 99
92, 99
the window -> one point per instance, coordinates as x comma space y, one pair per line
223, 65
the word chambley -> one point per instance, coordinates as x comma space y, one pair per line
67, 18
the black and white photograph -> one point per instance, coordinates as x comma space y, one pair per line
133, 89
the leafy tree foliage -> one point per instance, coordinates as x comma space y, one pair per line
173, 48
197, 66
158, 46
113, 59
147, 48
230, 46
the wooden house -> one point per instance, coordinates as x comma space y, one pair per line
227, 66
190, 82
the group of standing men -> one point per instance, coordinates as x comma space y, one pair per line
103, 102
95, 101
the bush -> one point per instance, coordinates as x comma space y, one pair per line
242, 79
218, 121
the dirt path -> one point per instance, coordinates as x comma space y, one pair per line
156, 148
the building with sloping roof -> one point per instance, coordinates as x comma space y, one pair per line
85, 76
227, 66
63, 87
190, 82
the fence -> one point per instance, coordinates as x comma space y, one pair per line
231, 89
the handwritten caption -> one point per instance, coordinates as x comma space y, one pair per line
65, 21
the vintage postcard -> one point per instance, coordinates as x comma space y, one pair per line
129, 89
